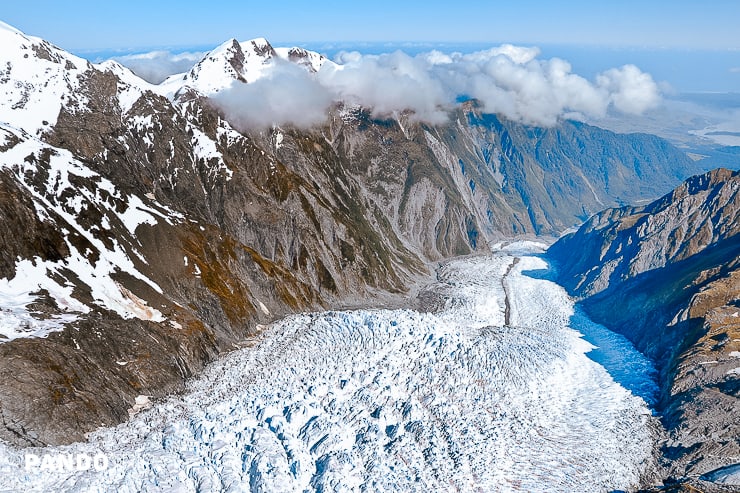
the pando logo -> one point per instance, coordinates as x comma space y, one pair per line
66, 462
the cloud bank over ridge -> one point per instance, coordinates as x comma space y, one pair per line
508, 80
156, 66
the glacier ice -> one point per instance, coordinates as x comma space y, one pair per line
392, 400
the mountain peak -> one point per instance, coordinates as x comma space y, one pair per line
243, 61
310, 60
258, 46
230, 61
37, 77
8, 27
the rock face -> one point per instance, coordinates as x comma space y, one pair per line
143, 234
667, 275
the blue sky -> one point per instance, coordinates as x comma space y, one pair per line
134, 24
691, 45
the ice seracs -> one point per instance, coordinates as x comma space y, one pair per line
393, 400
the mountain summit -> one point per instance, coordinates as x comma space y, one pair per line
244, 62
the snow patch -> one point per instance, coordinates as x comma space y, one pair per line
58, 195
16, 294
140, 403
205, 148
130, 86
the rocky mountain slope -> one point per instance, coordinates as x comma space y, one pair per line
667, 275
143, 234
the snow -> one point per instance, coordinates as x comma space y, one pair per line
32, 88
54, 196
312, 60
216, 71
143, 125
7, 27
391, 400
171, 85
263, 307
227, 132
238, 62
205, 148
130, 86
140, 403
16, 320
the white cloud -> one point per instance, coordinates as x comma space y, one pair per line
156, 66
387, 84
287, 95
630, 90
508, 80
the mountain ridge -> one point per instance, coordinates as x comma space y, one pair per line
201, 233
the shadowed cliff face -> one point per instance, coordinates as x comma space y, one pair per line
667, 275
155, 235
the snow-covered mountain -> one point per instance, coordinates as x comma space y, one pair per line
143, 234
36, 81
243, 62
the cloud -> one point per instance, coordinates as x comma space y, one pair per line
630, 90
508, 80
156, 66
286, 95
388, 83
525, 89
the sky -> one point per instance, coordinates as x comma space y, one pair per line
134, 24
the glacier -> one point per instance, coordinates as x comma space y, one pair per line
491, 385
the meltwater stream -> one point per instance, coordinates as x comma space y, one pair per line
396, 400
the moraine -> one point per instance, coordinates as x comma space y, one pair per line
397, 400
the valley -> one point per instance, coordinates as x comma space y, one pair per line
398, 400
362, 289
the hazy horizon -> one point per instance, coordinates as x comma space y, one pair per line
679, 70
685, 45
